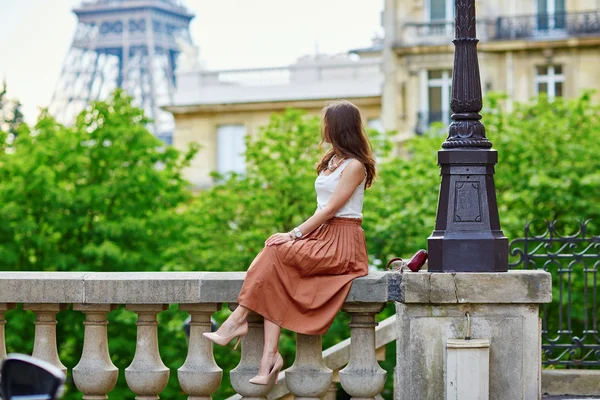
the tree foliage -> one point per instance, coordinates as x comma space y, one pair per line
548, 169
105, 195
11, 116
102, 195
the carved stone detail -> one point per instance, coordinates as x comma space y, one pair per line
95, 375
308, 378
252, 348
44, 346
147, 376
363, 378
4, 307
200, 376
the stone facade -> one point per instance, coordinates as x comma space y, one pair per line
503, 309
415, 46
392, 86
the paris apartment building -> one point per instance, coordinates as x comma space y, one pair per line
403, 82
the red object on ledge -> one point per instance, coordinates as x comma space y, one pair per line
415, 263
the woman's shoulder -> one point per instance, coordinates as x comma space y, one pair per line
355, 167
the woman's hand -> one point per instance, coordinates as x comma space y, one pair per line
278, 238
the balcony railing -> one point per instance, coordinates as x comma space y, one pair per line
200, 294
537, 26
547, 25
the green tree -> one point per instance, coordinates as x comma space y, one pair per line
102, 195
105, 195
548, 169
11, 116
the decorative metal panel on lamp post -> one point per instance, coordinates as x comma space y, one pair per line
467, 235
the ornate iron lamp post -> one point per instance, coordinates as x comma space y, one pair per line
467, 235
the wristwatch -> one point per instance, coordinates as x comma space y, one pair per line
297, 233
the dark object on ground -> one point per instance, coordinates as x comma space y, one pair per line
25, 377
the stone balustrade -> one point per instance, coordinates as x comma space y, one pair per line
200, 294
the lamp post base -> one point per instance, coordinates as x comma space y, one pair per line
468, 252
467, 236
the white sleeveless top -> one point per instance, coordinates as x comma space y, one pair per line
326, 184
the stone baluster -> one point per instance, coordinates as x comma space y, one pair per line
200, 376
4, 307
308, 378
44, 345
95, 375
331, 392
363, 378
147, 376
252, 348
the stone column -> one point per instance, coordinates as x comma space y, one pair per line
4, 307
44, 345
200, 376
95, 375
252, 348
503, 309
308, 378
147, 376
363, 378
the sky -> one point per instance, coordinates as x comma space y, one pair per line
35, 36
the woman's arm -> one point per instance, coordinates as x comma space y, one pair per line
352, 176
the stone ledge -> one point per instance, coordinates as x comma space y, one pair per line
575, 382
143, 287
159, 287
42, 287
530, 286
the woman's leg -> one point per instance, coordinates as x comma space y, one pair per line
237, 318
271, 347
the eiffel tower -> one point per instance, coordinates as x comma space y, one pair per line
131, 44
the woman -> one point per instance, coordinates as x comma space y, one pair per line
301, 278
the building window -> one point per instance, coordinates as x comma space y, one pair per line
550, 15
550, 79
231, 146
436, 92
440, 10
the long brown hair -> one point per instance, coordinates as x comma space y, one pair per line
342, 127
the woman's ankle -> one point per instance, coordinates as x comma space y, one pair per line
270, 354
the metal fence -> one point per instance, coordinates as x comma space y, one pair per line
540, 26
519, 27
570, 323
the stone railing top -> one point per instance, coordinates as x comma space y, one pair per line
223, 287
160, 287
526, 286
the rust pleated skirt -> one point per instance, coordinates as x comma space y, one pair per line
301, 285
